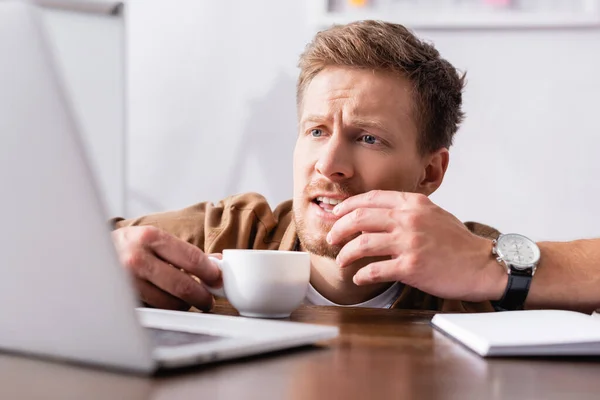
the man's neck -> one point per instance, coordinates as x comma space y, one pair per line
336, 285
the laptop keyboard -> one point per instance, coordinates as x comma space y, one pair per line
168, 338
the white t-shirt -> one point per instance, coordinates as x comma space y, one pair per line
384, 300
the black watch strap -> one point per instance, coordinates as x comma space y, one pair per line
516, 291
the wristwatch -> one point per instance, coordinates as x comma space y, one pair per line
520, 256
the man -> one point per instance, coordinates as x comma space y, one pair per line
568, 276
377, 112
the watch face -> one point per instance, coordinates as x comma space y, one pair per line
518, 250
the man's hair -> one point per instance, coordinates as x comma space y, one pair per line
437, 85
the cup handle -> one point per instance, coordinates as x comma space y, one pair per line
220, 292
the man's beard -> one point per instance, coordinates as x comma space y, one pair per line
316, 242
315, 245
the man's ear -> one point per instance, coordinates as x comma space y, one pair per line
434, 169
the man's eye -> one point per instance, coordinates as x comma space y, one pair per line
316, 133
369, 139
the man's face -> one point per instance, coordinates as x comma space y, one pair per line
357, 133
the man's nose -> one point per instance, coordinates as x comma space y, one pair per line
335, 160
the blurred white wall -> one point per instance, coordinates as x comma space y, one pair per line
211, 113
211, 98
526, 158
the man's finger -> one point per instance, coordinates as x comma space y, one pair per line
176, 283
377, 272
156, 297
219, 282
365, 245
376, 199
358, 221
185, 256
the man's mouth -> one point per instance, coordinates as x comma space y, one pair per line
327, 203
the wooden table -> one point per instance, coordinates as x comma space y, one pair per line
379, 354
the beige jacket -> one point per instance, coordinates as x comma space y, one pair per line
247, 221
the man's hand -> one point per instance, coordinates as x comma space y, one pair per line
428, 248
156, 260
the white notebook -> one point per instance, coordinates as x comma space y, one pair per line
524, 333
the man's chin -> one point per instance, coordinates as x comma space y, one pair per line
320, 248
312, 237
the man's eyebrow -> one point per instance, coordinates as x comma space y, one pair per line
320, 119
362, 123
368, 123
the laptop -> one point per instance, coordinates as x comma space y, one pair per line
63, 293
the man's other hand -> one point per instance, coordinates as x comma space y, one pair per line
163, 265
426, 247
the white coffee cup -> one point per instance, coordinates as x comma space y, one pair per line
263, 283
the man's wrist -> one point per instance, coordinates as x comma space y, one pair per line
497, 277
499, 280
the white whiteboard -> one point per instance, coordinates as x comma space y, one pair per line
460, 14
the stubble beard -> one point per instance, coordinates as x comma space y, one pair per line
316, 243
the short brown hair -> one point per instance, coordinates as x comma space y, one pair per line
377, 45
